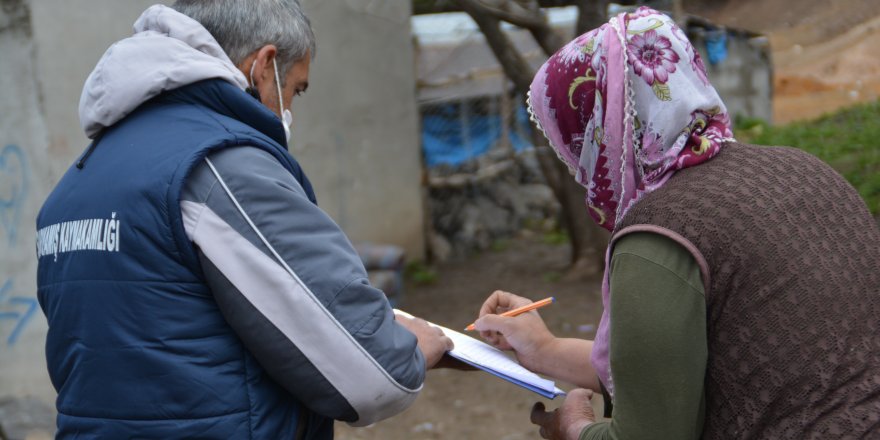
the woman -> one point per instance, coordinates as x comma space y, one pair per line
742, 283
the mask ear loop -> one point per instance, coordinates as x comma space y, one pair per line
278, 84
286, 117
252, 90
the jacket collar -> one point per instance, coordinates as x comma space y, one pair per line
228, 100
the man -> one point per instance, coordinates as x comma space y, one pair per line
192, 286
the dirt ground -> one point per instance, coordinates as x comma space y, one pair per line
826, 54
473, 404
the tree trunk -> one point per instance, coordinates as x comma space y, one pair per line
591, 14
678, 13
588, 240
515, 66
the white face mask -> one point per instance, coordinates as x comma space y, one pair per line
286, 115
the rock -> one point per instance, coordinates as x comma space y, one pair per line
498, 197
508, 195
473, 233
422, 427
540, 197
496, 219
440, 248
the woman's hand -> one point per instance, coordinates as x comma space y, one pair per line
526, 334
568, 421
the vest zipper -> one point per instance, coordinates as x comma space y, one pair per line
82, 160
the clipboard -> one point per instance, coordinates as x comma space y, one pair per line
494, 361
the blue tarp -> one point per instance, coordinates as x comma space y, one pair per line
716, 46
448, 138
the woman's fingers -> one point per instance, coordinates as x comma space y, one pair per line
500, 301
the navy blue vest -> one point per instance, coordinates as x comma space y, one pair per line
137, 346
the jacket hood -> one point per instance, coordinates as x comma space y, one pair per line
168, 50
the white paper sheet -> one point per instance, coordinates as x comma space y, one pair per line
495, 361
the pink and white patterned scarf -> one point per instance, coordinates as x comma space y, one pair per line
625, 106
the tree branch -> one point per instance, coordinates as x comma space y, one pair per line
435, 6
515, 66
591, 14
502, 11
531, 18
586, 240
547, 38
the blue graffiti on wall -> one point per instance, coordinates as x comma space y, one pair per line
17, 309
13, 189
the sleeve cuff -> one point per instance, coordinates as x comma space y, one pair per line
595, 431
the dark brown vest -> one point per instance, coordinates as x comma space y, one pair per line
791, 260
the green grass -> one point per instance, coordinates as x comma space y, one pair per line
848, 140
552, 277
556, 237
420, 273
499, 245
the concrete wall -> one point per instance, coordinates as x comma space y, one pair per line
71, 36
356, 130
47, 49
23, 184
356, 135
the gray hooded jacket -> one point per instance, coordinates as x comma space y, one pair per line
284, 275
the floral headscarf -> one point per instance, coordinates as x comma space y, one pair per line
625, 106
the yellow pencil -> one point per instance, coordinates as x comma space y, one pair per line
523, 309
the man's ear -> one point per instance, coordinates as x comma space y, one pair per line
264, 72
259, 63
254, 66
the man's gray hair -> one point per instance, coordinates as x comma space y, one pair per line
243, 26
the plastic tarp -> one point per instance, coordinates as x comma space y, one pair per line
716, 46
449, 138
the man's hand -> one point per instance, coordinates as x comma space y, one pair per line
526, 334
568, 421
432, 341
